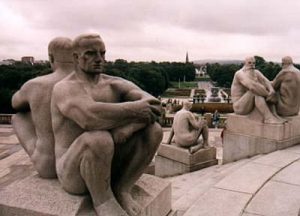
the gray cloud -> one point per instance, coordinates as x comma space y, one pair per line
155, 30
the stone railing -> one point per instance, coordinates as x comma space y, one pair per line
5, 118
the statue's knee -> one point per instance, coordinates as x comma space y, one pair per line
236, 108
240, 110
45, 165
100, 142
89, 155
156, 131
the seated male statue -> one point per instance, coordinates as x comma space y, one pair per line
287, 86
32, 123
105, 131
251, 90
187, 129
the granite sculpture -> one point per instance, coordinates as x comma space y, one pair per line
32, 123
187, 152
287, 86
214, 97
105, 131
187, 129
266, 113
251, 90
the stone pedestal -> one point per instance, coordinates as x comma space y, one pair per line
34, 196
172, 160
244, 137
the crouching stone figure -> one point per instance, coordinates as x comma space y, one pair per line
187, 129
105, 131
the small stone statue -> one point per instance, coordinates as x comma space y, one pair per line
251, 90
32, 123
105, 131
287, 86
187, 129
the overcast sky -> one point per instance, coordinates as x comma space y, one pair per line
159, 30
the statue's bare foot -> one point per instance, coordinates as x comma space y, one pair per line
130, 205
205, 144
110, 207
195, 148
273, 120
282, 119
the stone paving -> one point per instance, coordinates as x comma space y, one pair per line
264, 185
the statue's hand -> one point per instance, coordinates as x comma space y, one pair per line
146, 110
119, 136
272, 98
155, 106
141, 111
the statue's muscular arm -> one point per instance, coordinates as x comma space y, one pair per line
131, 92
252, 85
278, 80
266, 83
192, 120
76, 104
20, 99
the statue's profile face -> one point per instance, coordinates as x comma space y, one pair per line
91, 56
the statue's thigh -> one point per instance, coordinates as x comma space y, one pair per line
68, 166
245, 104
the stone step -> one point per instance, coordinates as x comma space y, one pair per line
263, 185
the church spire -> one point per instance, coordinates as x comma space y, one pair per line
187, 57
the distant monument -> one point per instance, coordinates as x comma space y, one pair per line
187, 58
214, 97
266, 113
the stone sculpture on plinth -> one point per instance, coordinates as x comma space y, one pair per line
187, 129
266, 113
32, 123
105, 134
102, 121
287, 86
188, 152
251, 90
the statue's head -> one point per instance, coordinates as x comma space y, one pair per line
60, 51
286, 61
187, 105
249, 63
89, 53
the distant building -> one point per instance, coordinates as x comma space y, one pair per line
7, 62
27, 59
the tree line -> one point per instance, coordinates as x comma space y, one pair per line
222, 75
152, 77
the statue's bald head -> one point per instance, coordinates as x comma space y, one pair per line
60, 50
286, 61
82, 39
187, 105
